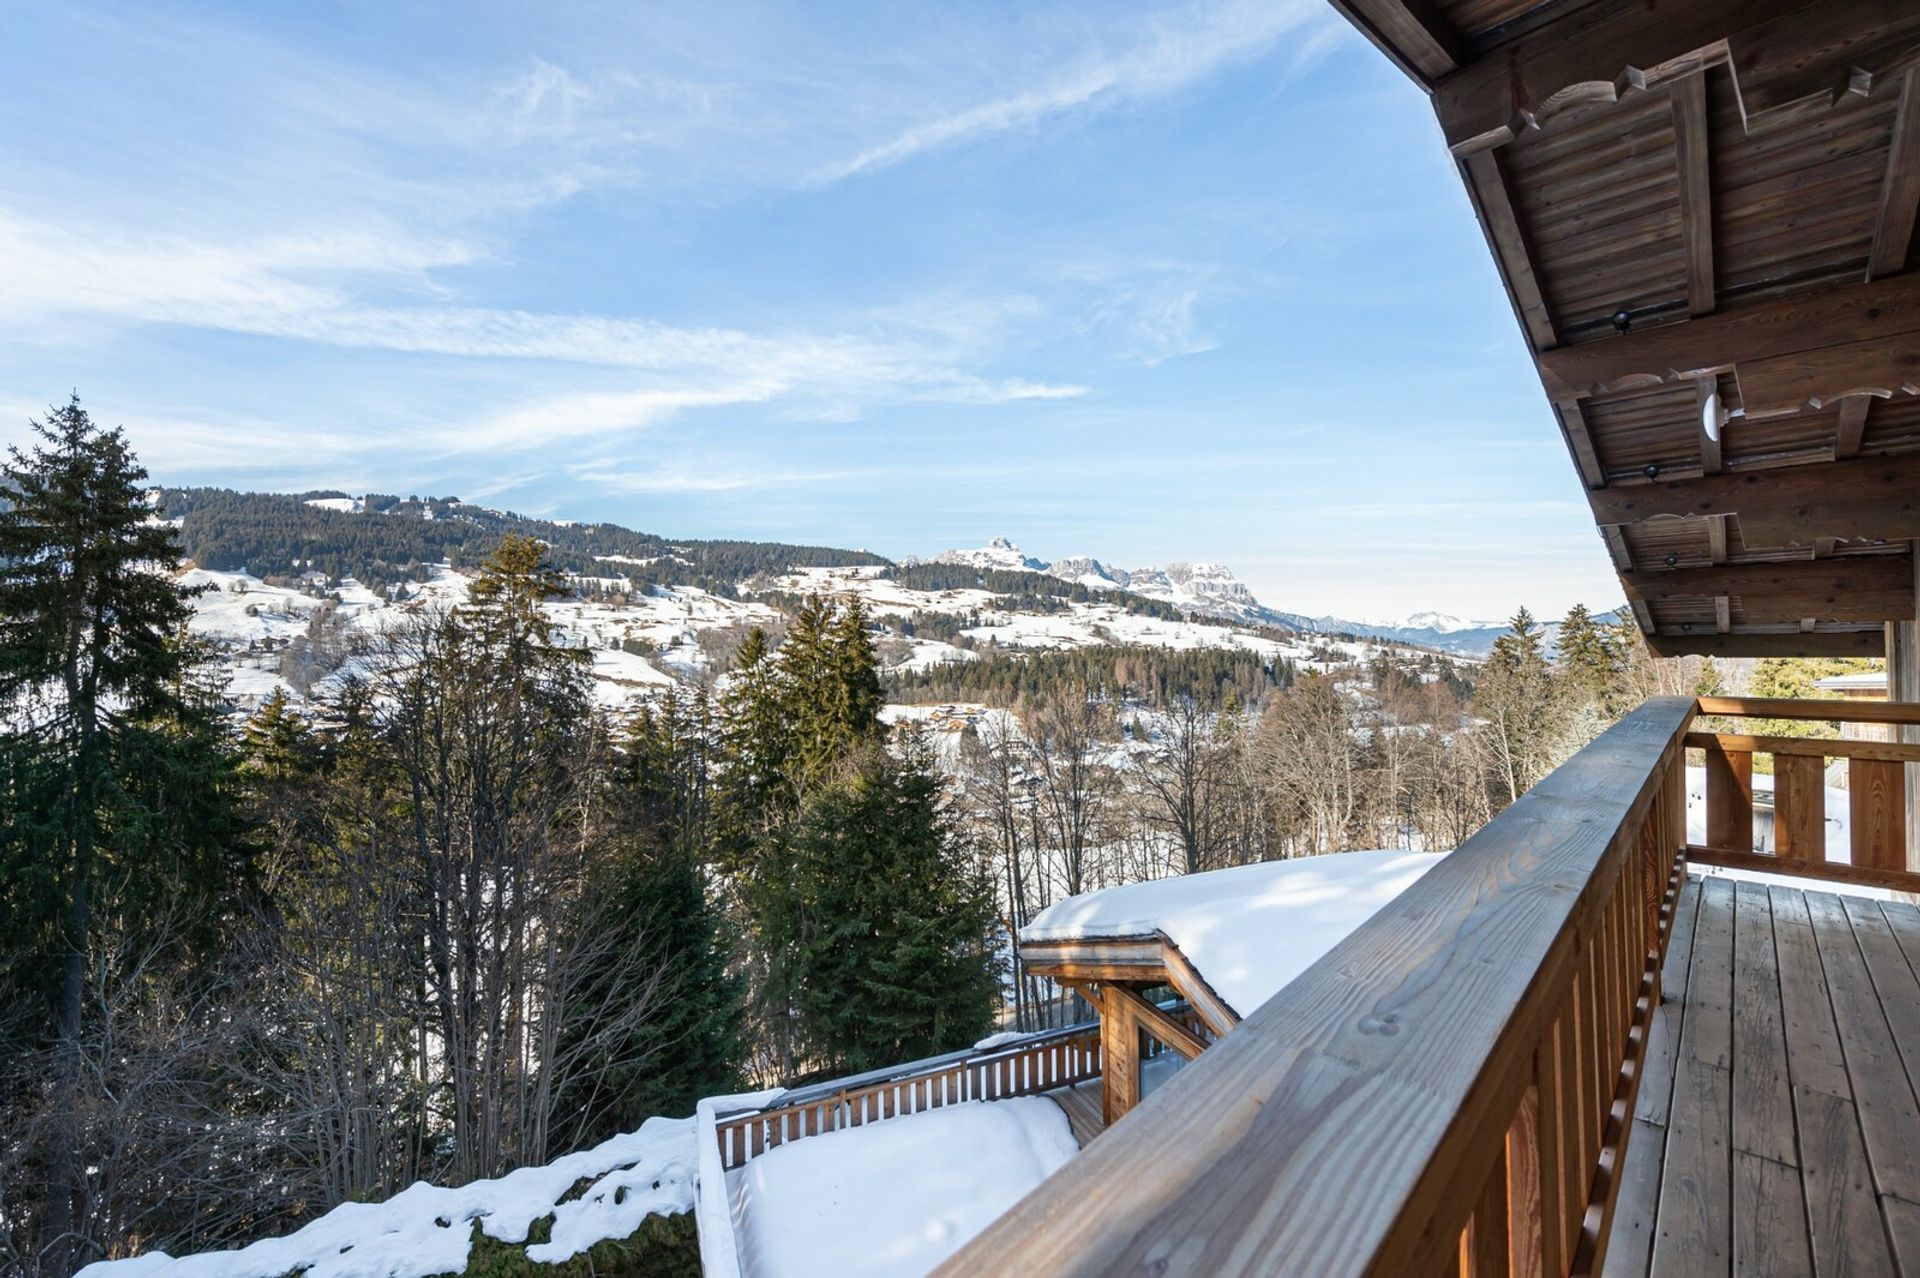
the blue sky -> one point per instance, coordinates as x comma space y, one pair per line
1149, 281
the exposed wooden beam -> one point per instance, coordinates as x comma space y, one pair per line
1158, 1023
1642, 616
1900, 191
1689, 99
1816, 643
1630, 48
1877, 311
1579, 437
1617, 548
1852, 425
1871, 588
1717, 538
1876, 498
1703, 391
1486, 180
1412, 33
1722, 614
1788, 383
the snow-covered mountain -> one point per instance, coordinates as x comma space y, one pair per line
1211, 590
1207, 589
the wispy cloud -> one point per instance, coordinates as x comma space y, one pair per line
1173, 52
688, 479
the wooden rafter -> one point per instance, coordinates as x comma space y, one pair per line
1579, 436
1900, 190
1852, 425
1411, 32
1689, 98
1593, 57
1798, 643
1486, 179
1872, 498
1879, 311
1717, 538
1870, 588
1157, 1023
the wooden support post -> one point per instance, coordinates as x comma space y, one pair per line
1903, 684
1120, 1045
1730, 799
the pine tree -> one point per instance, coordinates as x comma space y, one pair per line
893, 955
1588, 658
118, 778
1525, 706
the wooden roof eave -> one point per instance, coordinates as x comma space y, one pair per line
1535, 107
1149, 957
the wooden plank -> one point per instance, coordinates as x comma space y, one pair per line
1526, 1199
1729, 782
1580, 63
1903, 1226
1800, 807
1814, 1058
1870, 642
1717, 538
1769, 1218
1832, 711
1814, 871
1762, 1099
1486, 180
1864, 588
1889, 1116
1844, 1225
1785, 384
1159, 1024
1695, 1223
1120, 1048
1487, 1235
1586, 458
1707, 1035
1852, 425
1900, 191
1877, 797
1663, 1033
1412, 33
1817, 749
1689, 98
1892, 975
1330, 1133
1630, 1251
1878, 311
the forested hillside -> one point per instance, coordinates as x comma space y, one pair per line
392, 539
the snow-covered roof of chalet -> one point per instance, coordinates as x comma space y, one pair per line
1247, 930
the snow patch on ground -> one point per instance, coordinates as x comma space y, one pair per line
1248, 930
427, 1229
896, 1197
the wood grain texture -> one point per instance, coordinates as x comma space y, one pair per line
1800, 806
1329, 1132
1815, 872
1900, 191
1729, 776
1689, 96
1877, 796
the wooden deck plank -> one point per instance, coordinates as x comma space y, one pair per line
1889, 1117
1762, 1100
1814, 1058
1893, 980
1663, 1028
1903, 1226
1848, 1236
1769, 1220
1693, 1233
1707, 1035
1630, 1245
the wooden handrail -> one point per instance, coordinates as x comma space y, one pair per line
1831, 711
1458, 1073
1811, 747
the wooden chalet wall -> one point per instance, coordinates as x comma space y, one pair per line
1704, 213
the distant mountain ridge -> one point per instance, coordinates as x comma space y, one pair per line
1212, 590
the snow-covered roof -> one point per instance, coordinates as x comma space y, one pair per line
1247, 930
894, 1197
1863, 681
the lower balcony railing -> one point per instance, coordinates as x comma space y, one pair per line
1450, 1090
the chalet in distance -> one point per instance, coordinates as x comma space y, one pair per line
1598, 1037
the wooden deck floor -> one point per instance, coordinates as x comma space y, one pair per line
1082, 1104
1777, 1131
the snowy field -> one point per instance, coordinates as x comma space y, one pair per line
895, 1198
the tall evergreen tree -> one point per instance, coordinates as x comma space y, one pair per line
116, 771
894, 956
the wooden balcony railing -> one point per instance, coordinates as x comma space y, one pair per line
1028, 1067
1876, 791
1448, 1091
